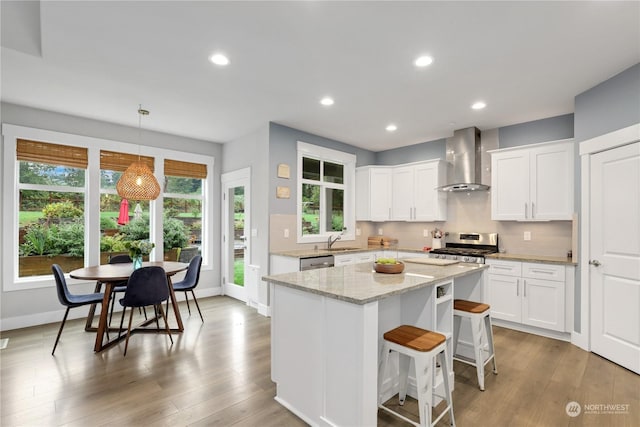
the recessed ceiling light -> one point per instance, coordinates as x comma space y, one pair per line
327, 100
391, 127
478, 105
219, 59
423, 61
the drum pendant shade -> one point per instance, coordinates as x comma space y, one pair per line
138, 182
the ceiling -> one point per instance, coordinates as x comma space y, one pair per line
526, 60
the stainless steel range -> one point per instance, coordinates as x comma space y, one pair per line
467, 247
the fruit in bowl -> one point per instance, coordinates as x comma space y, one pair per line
388, 265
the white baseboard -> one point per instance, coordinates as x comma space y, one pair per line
265, 310
562, 336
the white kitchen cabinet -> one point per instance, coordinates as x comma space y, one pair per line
373, 193
533, 183
353, 258
414, 194
531, 294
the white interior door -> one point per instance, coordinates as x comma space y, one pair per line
614, 255
235, 232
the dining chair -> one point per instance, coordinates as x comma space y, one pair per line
146, 286
189, 283
70, 300
121, 287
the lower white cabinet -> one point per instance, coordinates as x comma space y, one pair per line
528, 293
353, 258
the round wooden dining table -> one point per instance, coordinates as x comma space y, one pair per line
114, 274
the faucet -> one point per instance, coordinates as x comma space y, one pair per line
331, 241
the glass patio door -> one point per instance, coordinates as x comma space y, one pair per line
235, 233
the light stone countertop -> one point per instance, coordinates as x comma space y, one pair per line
309, 253
533, 258
360, 284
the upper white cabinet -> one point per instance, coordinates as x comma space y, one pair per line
533, 183
414, 194
373, 193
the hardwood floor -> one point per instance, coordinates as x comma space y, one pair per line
218, 373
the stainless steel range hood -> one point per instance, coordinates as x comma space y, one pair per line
465, 155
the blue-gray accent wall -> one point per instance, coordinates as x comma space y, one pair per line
549, 129
413, 153
283, 149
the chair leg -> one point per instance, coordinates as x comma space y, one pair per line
166, 324
489, 330
126, 344
122, 321
155, 312
403, 365
113, 304
64, 319
197, 306
186, 297
144, 310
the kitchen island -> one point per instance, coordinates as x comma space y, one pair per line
327, 326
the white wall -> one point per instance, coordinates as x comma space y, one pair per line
253, 151
37, 306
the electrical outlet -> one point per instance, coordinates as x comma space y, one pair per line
425, 233
527, 235
286, 233
379, 231
358, 232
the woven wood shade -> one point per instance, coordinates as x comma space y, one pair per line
52, 154
114, 161
185, 169
138, 183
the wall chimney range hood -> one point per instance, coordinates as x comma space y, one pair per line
465, 156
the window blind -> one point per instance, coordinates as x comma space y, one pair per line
114, 161
185, 169
52, 154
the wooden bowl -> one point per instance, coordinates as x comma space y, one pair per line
396, 268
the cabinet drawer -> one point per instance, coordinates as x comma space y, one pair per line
506, 268
532, 270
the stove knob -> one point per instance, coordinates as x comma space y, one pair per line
438, 256
455, 257
466, 259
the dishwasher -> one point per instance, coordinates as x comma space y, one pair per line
312, 263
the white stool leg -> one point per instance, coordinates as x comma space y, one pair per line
489, 331
403, 362
424, 384
384, 362
457, 320
476, 332
444, 363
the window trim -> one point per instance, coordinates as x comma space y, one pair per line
10, 197
349, 162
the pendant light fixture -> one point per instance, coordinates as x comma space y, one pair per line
138, 182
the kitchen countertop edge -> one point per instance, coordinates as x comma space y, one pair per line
295, 281
533, 258
308, 253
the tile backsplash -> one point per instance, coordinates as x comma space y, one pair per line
467, 212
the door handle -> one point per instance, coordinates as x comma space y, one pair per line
526, 214
518, 288
595, 263
524, 288
533, 209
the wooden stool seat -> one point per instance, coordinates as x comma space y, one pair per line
479, 316
415, 338
470, 306
424, 347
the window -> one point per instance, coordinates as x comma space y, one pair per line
325, 193
120, 220
183, 196
51, 186
59, 200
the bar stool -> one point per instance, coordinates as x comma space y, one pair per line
424, 347
480, 316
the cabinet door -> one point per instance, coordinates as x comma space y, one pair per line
380, 194
402, 194
504, 297
552, 182
543, 304
426, 198
510, 186
339, 260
